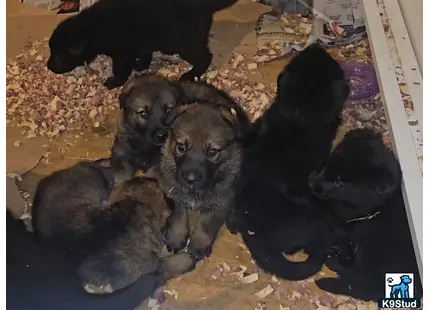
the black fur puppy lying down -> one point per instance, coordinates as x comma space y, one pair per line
129, 31
110, 244
40, 278
273, 211
363, 177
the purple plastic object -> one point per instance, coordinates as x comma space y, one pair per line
362, 81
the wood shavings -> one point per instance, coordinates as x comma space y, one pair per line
261, 306
249, 279
226, 266
265, 292
174, 293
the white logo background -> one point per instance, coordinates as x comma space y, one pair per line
394, 279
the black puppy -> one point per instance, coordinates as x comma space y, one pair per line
129, 31
38, 277
358, 177
273, 211
362, 177
145, 104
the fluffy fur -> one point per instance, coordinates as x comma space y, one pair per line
362, 176
145, 103
284, 146
199, 164
129, 31
48, 280
66, 200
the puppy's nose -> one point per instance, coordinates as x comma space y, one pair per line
191, 176
161, 134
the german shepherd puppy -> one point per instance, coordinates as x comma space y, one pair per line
140, 211
129, 31
50, 281
200, 162
291, 138
362, 178
145, 103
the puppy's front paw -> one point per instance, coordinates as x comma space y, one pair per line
175, 243
200, 253
233, 224
113, 82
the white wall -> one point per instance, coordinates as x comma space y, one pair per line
413, 14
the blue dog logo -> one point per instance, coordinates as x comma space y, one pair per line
400, 290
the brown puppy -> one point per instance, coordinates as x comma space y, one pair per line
199, 164
145, 103
139, 214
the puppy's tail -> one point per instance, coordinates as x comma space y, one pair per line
271, 260
344, 287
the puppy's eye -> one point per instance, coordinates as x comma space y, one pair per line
181, 147
143, 114
338, 182
168, 110
212, 152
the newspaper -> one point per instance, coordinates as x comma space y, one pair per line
331, 23
61, 6
337, 22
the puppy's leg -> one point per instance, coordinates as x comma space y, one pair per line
200, 59
143, 62
177, 229
108, 273
205, 233
122, 66
233, 223
175, 265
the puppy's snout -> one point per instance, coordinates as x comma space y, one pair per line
160, 135
191, 177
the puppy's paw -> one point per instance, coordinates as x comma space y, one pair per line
199, 253
174, 242
175, 265
233, 224
98, 289
113, 82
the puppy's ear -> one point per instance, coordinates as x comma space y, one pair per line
176, 112
77, 48
125, 93
341, 91
230, 116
